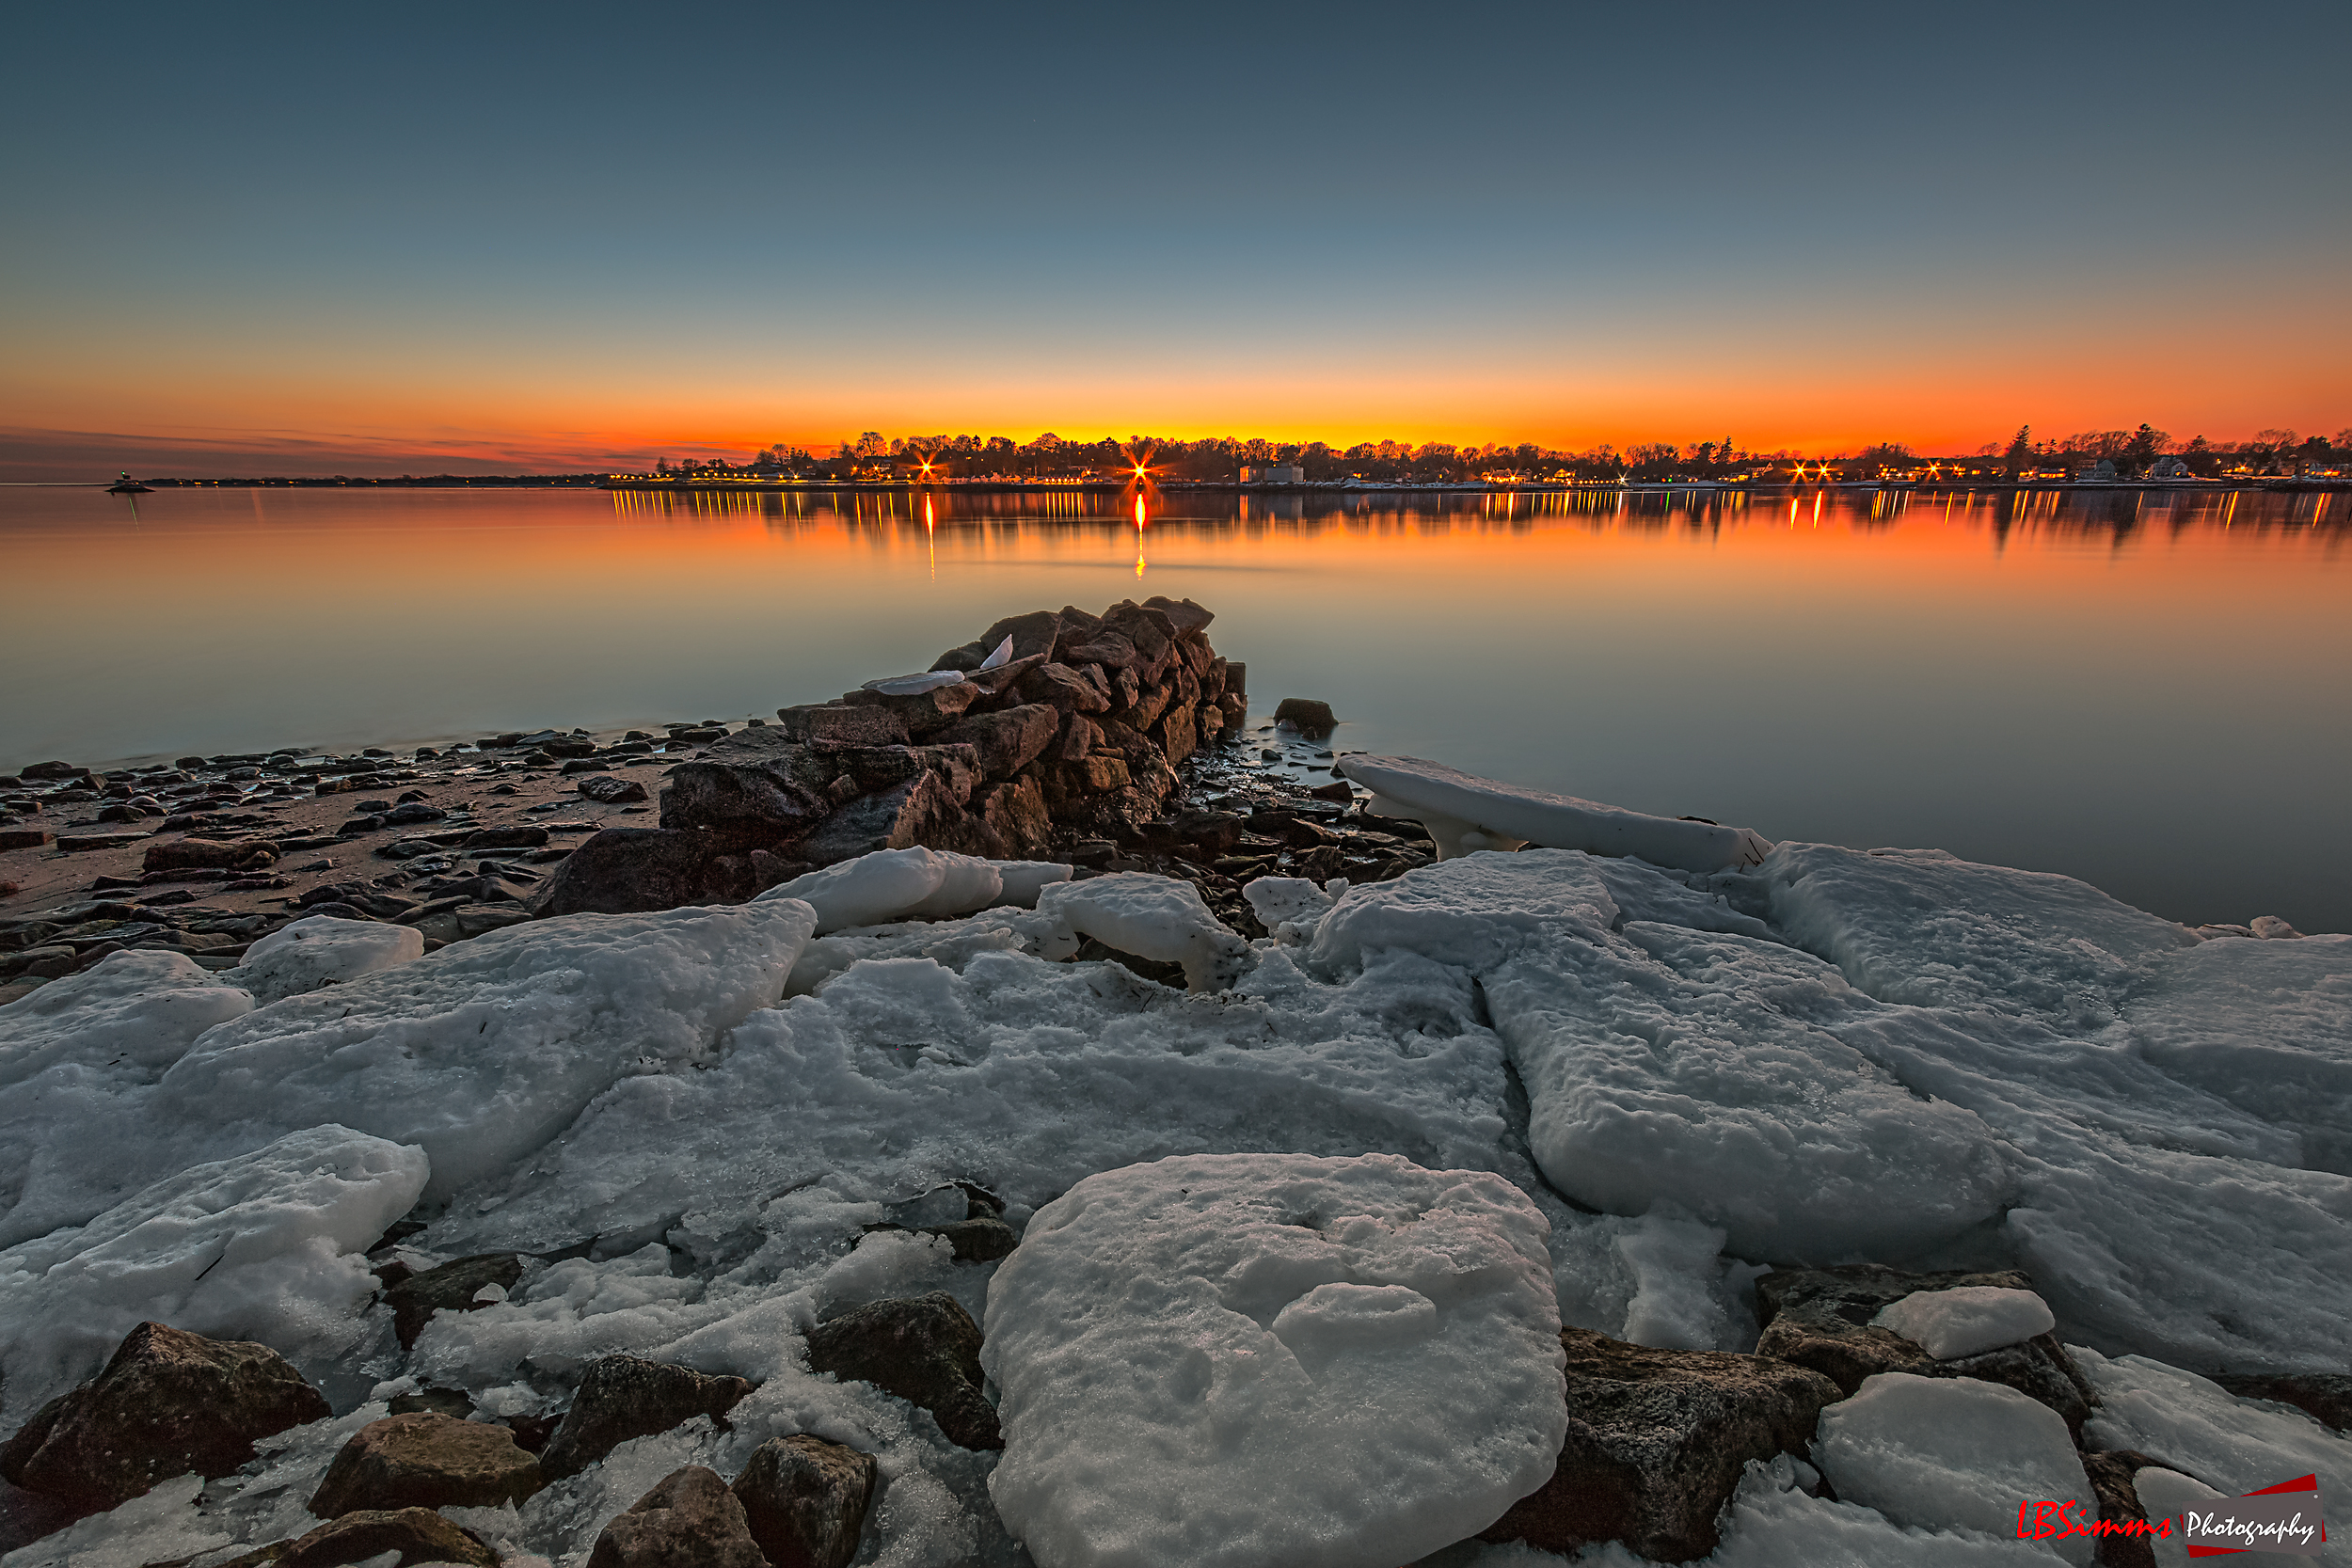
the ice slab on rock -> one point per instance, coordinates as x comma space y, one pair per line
2266, 1025
2236, 1443
256, 1248
322, 951
1949, 1452
1922, 926
1452, 803
131, 1013
1251, 1358
484, 1050
1967, 1319
1159, 918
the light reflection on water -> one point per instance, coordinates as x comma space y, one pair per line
2141, 688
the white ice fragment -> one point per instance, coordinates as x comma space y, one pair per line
322, 951
1966, 1320
256, 1248
915, 685
1002, 657
1677, 1267
2166, 1494
485, 1050
131, 1014
1290, 908
966, 884
1159, 918
913, 884
1025, 879
1921, 927
1950, 1452
1465, 813
1220, 1360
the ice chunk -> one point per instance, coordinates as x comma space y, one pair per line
2266, 1025
1254, 1358
484, 1050
1919, 926
1676, 1268
1452, 803
966, 883
913, 884
2190, 1421
1967, 1319
322, 951
915, 685
1703, 1069
1290, 908
133, 1012
255, 1248
1476, 913
159, 1525
1159, 918
1950, 1452
1025, 879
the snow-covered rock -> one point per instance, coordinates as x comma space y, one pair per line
1966, 1320
321, 951
1159, 918
130, 1014
1465, 813
1239, 1359
1945, 1453
484, 1050
257, 1247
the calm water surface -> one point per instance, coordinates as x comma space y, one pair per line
2145, 692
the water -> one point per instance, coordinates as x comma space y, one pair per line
2144, 691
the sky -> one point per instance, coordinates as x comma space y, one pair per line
273, 239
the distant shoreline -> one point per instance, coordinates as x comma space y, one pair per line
1117, 485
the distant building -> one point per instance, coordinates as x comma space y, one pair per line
2103, 469
1274, 473
2167, 467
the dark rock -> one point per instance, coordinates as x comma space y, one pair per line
689, 1521
24, 838
427, 1461
506, 838
1657, 1440
2325, 1397
75, 844
452, 1402
925, 712
1820, 1317
418, 1534
414, 810
1034, 633
1308, 716
1007, 741
842, 724
1063, 689
623, 1397
608, 791
995, 684
1151, 633
805, 1500
755, 787
167, 1404
630, 870
2111, 1484
26, 1516
1340, 791
568, 746
586, 765
451, 1287
924, 1349
1105, 648
979, 1241
187, 853
355, 895
51, 771
1182, 614
897, 818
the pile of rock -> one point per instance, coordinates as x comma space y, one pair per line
1062, 722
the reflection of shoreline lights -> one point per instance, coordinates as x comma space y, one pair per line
1138, 533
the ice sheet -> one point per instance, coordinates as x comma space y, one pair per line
322, 951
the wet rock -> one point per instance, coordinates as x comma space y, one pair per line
453, 1286
1007, 740
628, 871
414, 810
900, 818
1332, 792
623, 1397
607, 790
418, 1534
2324, 1397
586, 765
205, 853
427, 1461
805, 1500
924, 1349
168, 1403
1308, 716
689, 1521
354, 896
1657, 1440
505, 838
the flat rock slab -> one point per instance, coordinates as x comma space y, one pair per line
689, 1521
168, 1403
1656, 1442
1229, 1360
427, 1461
624, 1397
805, 1500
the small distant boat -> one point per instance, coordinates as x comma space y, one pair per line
126, 485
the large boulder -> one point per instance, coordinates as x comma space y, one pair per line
805, 1500
691, 1520
1063, 689
924, 1349
756, 787
1656, 1442
1007, 740
630, 871
427, 1461
842, 723
624, 1397
168, 1403
924, 810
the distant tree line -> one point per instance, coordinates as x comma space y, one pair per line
873, 456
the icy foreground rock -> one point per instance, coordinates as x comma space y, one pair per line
1242, 1359
260, 1246
484, 1051
323, 951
